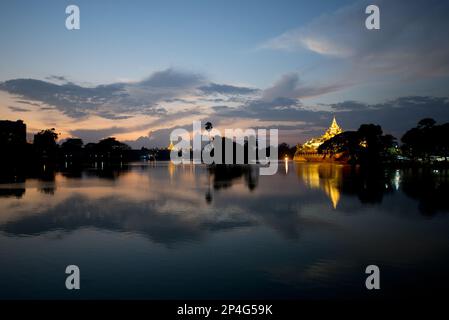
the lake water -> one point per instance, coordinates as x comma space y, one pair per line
159, 231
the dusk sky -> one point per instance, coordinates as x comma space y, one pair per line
138, 69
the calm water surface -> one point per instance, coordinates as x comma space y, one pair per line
187, 232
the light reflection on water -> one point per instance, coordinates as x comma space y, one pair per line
166, 231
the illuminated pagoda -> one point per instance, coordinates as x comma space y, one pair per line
310, 147
171, 146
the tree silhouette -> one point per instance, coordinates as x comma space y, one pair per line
72, 144
46, 139
111, 144
367, 145
426, 139
45, 143
426, 123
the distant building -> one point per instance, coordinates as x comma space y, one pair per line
12, 133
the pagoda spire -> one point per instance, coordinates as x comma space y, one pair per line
334, 125
334, 122
333, 130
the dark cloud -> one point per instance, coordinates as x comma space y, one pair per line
112, 116
56, 78
221, 108
348, 106
279, 109
171, 78
213, 88
183, 101
73, 100
290, 86
141, 142
29, 103
18, 109
155, 139
161, 137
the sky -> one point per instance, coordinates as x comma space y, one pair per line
136, 70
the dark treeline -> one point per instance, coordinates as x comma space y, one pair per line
44, 156
45, 149
426, 143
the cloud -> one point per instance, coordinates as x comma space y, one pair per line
94, 135
29, 103
289, 86
18, 109
214, 88
142, 142
280, 102
112, 116
73, 100
171, 78
155, 138
283, 109
411, 40
112, 101
348, 106
119, 101
57, 78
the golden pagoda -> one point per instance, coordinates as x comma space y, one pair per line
171, 146
311, 146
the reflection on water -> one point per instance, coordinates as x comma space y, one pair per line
324, 176
191, 231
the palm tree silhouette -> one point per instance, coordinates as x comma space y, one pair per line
208, 126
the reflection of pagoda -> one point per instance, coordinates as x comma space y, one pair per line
309, 150
323, 176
